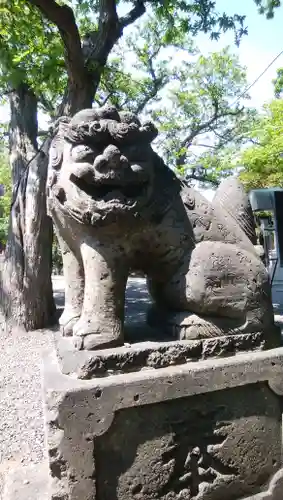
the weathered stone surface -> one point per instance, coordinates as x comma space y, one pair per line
155, 354
274, 491
209, 430
231, 196
209, 446
116, 206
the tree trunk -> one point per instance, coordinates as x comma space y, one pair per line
78, 97
27, 296
26, 276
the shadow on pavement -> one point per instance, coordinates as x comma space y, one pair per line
136, 306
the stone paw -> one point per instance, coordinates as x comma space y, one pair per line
94, 341
90, 333
87, 325
189, 326
67, 322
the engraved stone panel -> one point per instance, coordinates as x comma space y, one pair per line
222, 445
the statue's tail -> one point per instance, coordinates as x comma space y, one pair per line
231, 196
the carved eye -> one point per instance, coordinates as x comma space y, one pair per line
83, 153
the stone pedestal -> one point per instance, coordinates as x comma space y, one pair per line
171, 429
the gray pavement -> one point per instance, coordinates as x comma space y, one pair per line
137, 298
21, 423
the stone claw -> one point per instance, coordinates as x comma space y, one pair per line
95, 341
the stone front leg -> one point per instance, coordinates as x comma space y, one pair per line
74, 288
102, 319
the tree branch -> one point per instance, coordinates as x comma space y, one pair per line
106, 99
157, 82
137, 11
201, 178
110, 28
85, 61
46, 104
63, 17
204, 126
226, 137
253, 141
201, 145
102, 41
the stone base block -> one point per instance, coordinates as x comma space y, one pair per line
205, 430
159, 352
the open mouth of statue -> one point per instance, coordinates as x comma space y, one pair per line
111, 192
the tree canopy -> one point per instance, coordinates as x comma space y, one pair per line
195, 97
262, 163
71, 52
62, 55
54, 45
204, 112
278, 83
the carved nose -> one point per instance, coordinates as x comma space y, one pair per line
113, 156
100, 163
110, 159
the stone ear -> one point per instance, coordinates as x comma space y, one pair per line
62, 128
57, 144
56, 152
148, 132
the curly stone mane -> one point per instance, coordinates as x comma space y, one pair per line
106, 126
115, 138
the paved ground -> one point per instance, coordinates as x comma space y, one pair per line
21, 423
137, 298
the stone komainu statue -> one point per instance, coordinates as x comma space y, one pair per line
116, 206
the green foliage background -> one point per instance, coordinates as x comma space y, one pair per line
31, 51
263, 161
